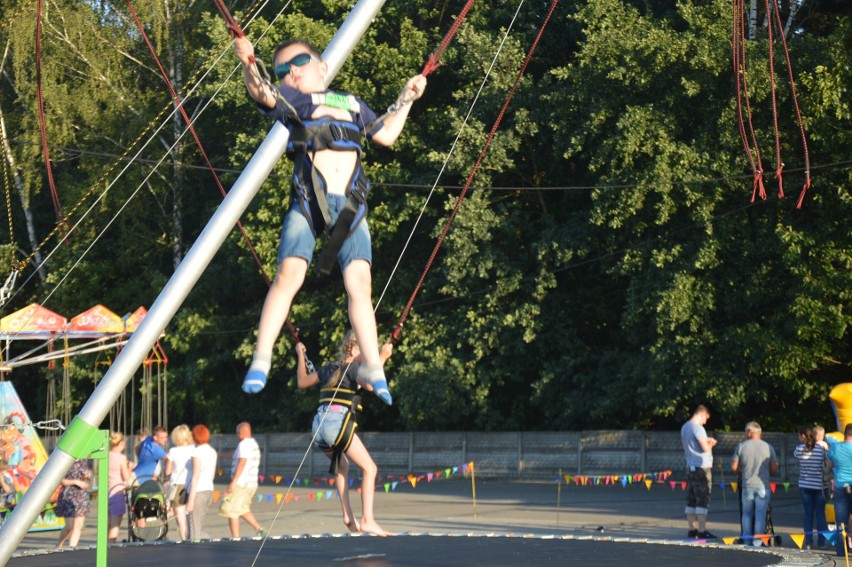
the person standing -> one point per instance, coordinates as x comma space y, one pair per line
73, 502
828, 470
119, 475
334, 426
840, 454
698, 449
177, 460
200, 474
245, 466
327, 130
754, 460
811, 457
149, 452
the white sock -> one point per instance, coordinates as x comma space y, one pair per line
261, 362
372, 373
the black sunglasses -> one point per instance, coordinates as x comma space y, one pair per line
283, 69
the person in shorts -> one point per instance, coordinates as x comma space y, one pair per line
698, 449
334, 427
335, 126
245, 467
119, 476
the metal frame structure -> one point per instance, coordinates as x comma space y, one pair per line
77, 440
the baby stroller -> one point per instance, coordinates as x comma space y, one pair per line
148, 515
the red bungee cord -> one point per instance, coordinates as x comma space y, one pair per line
434, 59
744, 114
395, 334
235, 30
57, 207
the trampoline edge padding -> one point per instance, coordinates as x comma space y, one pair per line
608, 545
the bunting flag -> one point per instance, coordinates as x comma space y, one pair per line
798, 539
216, 495
734, 485
730, 540
773, 486
648, 483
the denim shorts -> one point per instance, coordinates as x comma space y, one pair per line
326, 426
297, 238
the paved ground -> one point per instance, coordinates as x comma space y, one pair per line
594, 517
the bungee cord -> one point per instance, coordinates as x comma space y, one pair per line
449, 155
57, 207
201, 74
744, 110
407, 309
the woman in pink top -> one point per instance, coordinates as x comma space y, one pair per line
119, 474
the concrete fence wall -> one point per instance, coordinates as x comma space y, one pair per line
539, 455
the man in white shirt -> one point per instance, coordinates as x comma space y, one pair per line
244, 470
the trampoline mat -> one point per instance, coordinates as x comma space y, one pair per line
410, 550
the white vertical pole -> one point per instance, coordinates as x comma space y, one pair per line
172, 296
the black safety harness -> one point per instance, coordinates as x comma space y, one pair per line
306, 138
350, 399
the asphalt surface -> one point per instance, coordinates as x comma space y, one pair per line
440, 523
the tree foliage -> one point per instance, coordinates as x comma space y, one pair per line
606, 269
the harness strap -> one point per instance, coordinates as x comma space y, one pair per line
348, 220
344, 439
341, 396
305, 140
350, 399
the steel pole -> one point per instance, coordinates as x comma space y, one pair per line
170, 299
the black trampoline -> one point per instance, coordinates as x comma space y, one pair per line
426, 550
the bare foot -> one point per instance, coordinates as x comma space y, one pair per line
372, 527
352, 525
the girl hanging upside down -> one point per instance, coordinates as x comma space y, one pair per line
326, 131
334, 426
